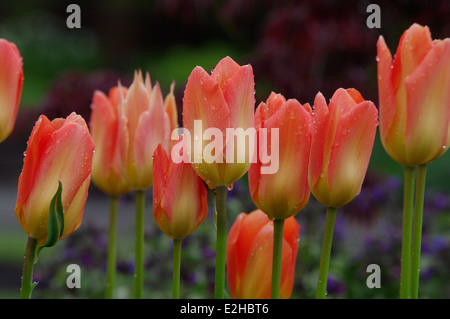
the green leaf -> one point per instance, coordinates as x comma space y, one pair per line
55, 227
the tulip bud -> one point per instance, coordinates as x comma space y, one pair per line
341, 145
57, 151
415, 97
284, 192
250, 247
179, 196
143, 124
224, 102
106, 172
11, 82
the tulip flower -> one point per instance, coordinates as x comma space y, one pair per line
143, 124
249, 247
179, 203
415, 97
224, 99
11, 82
220, 107
342, 142
414, 126
285, 192
107, 174
58, 151
341, 145
179, 196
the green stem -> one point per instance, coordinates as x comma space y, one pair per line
326, 253
408, 212
176, 268
28, 267
112, 247
139, 245
417, 230
278, 225
221, 244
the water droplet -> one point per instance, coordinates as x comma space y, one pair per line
444, 147
230, 187
378, 59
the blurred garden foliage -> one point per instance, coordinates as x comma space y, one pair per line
296, 48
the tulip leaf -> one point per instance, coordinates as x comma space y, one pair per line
55, 227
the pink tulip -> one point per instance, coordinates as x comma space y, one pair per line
342, 141
106, 172
283, 193
143, 124
60, 150
414, 92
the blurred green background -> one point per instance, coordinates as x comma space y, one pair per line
296, 48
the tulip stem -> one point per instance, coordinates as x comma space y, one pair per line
326, 253
139, 245
112, 246
408, 212
28, 268
278, 225
417, 230
221, 243
176, 268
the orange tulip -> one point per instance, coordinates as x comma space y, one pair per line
106, 172
415, 97
143, 124
341, 145
11, 82
224, 99
249, 248
60, 150
179, 196
283, 193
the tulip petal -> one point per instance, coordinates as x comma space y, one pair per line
74, 214
203, 100
428, 113
351, 152
239, 93
413, 47
386, 94
11, 83
224, 70
161, 167
318, 137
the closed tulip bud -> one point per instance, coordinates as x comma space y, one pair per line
250, 247
414, 93
143, 124
223, 101
284, 192
11, 82
341, 145
179, 196
57, 151
106, 172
